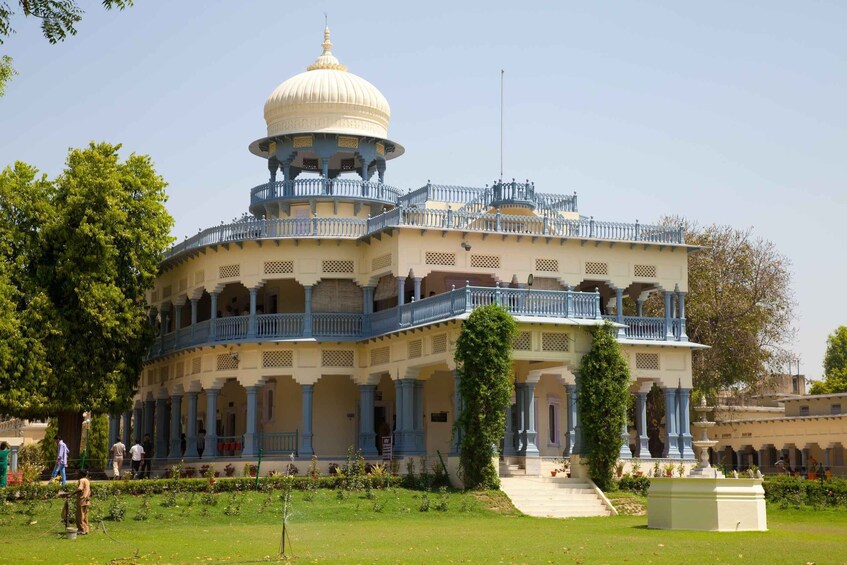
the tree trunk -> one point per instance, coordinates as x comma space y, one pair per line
70, 430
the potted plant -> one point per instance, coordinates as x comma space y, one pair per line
229, 470
636, 468
657, 469
619, 469
680, 470
669, 469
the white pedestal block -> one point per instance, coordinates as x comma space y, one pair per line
719, 505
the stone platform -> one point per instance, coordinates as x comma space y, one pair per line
709, 504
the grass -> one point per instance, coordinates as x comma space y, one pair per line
390, 528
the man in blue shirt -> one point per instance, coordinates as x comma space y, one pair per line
61, 460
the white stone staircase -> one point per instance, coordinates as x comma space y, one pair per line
554, 497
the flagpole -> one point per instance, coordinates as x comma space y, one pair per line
502, 73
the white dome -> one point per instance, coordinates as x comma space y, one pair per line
326, 98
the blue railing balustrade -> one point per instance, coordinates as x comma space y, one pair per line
318, 187
512, 192
353, 228
279, 325
279, 443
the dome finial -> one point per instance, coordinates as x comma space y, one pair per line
327, 60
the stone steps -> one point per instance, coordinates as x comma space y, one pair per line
553, 497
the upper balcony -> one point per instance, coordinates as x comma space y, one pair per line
249, 229
320, 187
569, 307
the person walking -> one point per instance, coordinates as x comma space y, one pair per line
61, 460
136, 452
83, 491
117, 452
4, 462
147, 461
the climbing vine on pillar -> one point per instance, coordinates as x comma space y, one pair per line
603, 397
484, 361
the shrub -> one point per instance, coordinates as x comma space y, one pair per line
603, 397
637, 485
484, 361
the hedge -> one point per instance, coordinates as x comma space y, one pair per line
35, 491
785, 491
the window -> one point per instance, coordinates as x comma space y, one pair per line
835, 409
804, 410
553, 421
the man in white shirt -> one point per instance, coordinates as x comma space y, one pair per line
117, 452
136, 452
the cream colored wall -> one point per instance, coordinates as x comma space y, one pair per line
818, 405
816, 432
550, 388
335, 396
518, 255
438, 397
288, 405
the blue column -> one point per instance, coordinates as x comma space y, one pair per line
114, 429
625, 452
641, 420
367, 308
126, 429
518, 426
401, 290
211, 422
399, 418
251, 324
577, 439
668, 322
149, 410
509, 435
418, 418
138, 422
250, 450
682, 335
306, 449
191, 427
570, 435
685, 449
529, 420
456, 444
827, 457
161, 429
639, 307
804, 458
307, 315
194, 302
213, 326
13, 458
176, 427
671, 435
409, 416
177, 323
619, 311
417, 281
367, 437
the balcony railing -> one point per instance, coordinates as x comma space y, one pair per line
319, 187
353, 228
654, 329
277, 443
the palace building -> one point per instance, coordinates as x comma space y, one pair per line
327, 317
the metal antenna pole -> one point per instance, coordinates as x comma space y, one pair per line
502, 73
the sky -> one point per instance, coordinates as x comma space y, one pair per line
722, 112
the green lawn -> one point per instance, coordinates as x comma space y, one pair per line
390, 528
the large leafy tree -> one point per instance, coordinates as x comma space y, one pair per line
88, 259
603, 399
740, 303
834, 364
484, 360
58, 21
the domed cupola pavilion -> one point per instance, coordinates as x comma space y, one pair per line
327, 134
